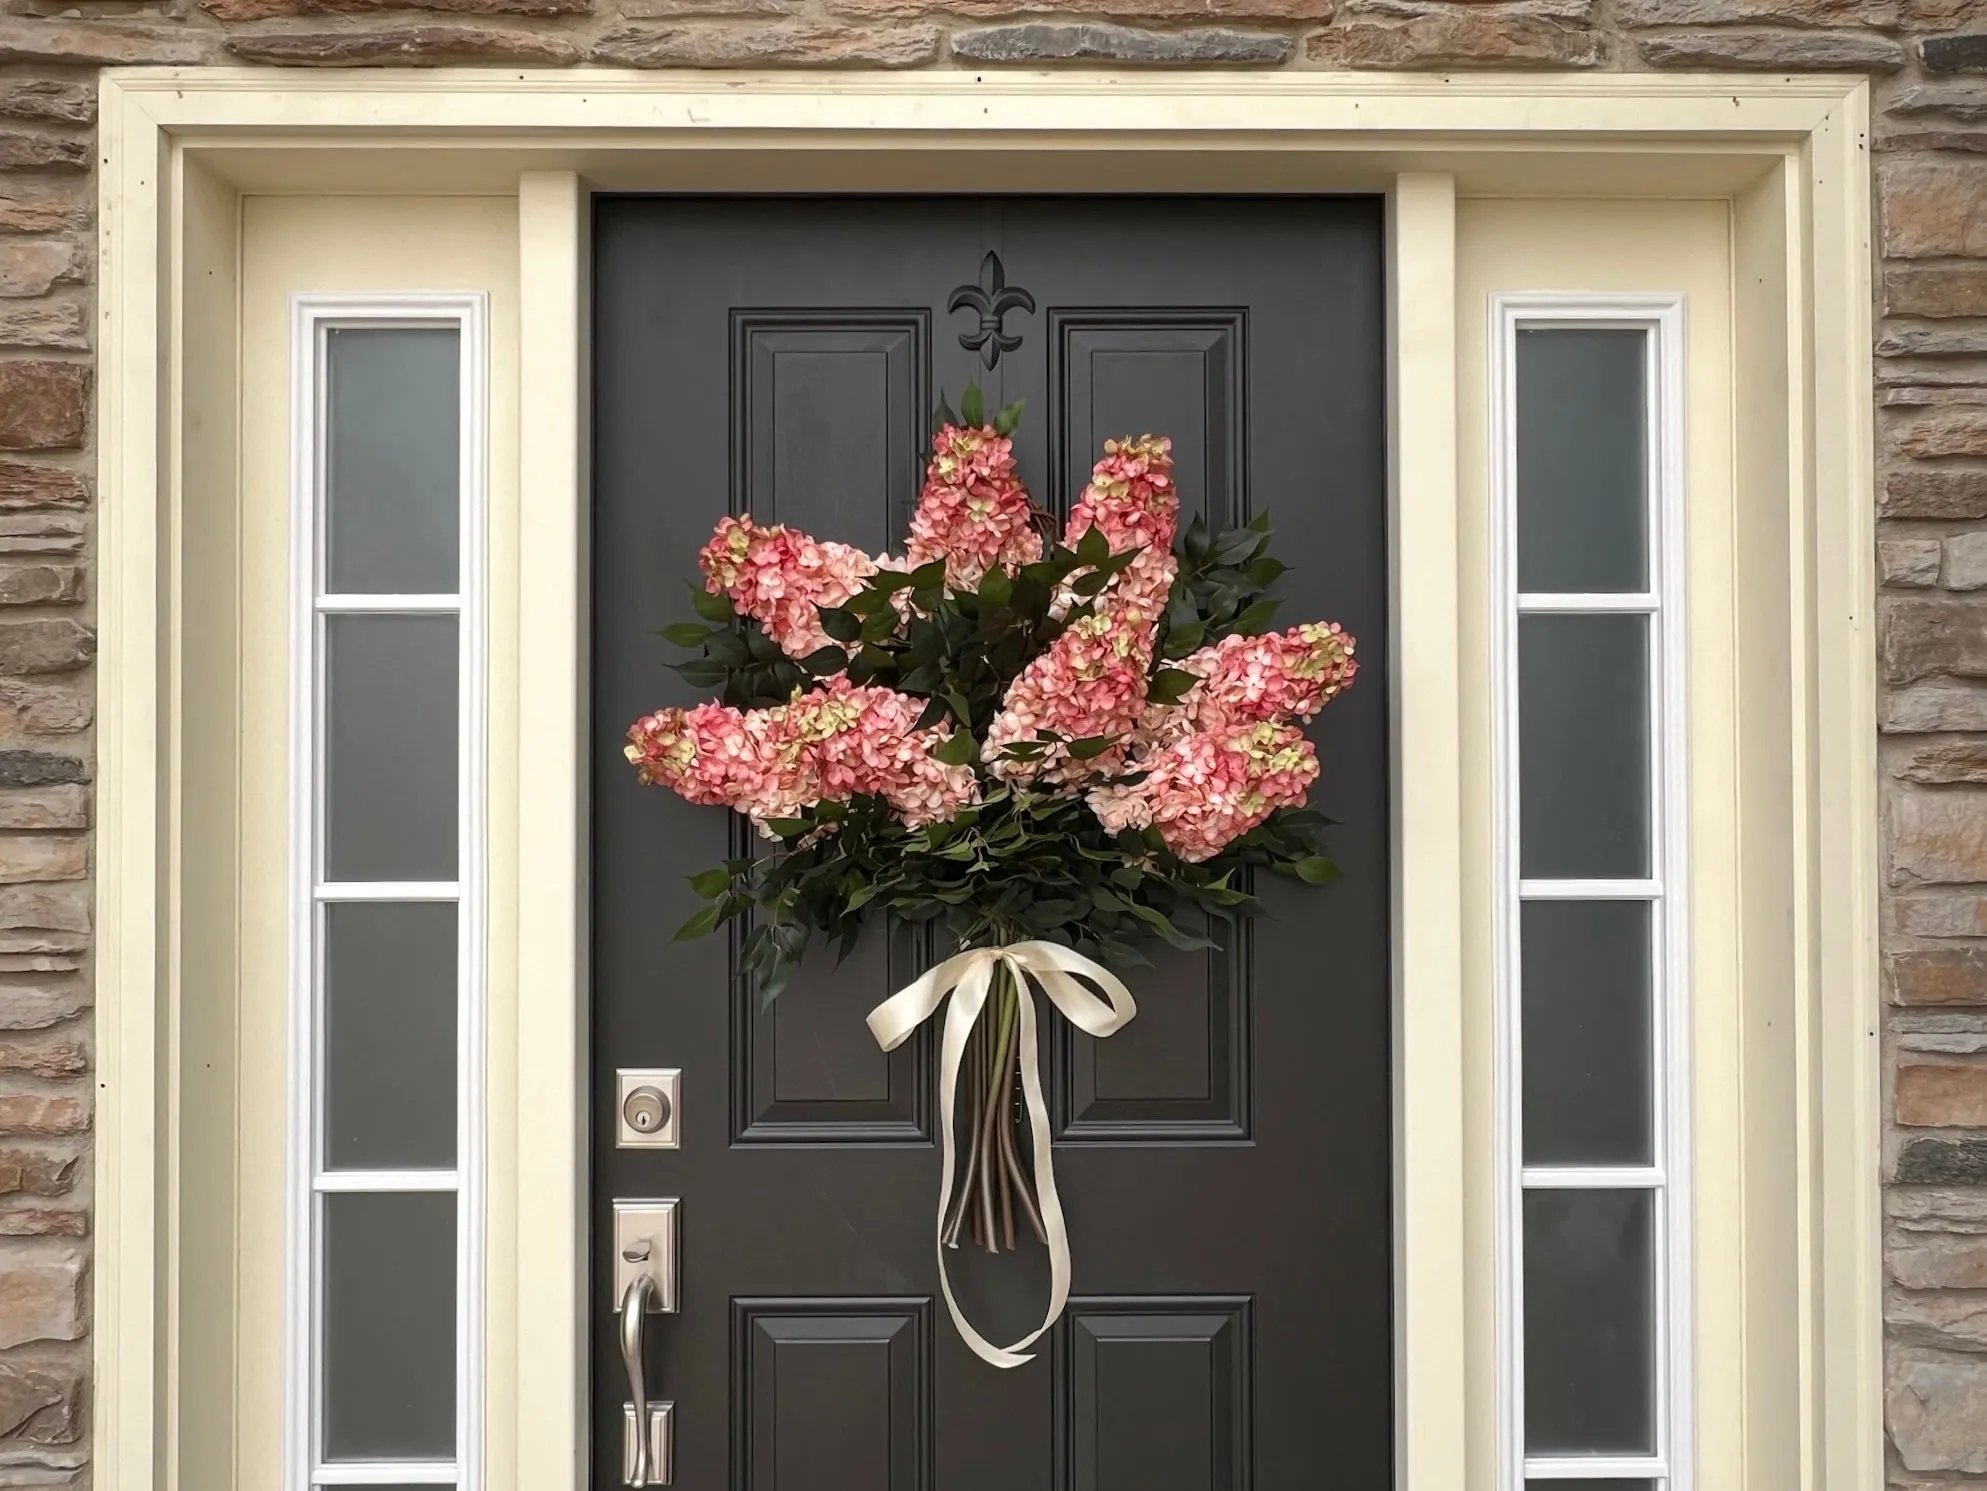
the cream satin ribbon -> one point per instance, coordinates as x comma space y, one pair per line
967, 978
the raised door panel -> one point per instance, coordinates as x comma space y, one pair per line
831, 1394
1181, 1070
1154, 1394
828, 430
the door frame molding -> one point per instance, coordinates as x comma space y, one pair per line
181, 146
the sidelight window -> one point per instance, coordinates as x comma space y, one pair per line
386, 921
1592, 956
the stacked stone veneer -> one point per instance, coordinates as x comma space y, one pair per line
1928, 60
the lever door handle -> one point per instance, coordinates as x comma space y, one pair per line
645, 1276
645, 1448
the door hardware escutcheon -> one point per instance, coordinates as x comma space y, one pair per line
648, 1105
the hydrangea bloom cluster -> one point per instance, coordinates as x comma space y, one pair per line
973, 513
1132, 501
781, 578
1245, 680
1090, 682
1203, 771
845, 740
1210, 787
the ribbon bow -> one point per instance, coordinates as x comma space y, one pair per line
967, 977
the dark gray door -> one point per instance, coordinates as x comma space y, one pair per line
1224, 1159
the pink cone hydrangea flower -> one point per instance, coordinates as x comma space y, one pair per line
1132, 501
1209, 788
974, 512
779, 577
1090, 682
1245, 680
826, 746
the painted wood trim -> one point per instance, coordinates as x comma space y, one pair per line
164, 117
1430, 1234
551, 1145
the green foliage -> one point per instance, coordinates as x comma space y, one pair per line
1222, 588
1022, 863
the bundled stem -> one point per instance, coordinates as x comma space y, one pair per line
993, 1183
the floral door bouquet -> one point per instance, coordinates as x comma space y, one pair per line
1058, 745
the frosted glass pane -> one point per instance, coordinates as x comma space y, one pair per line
1590, 1340
1583, 747
389, 1326
390, 747
392, 460
1582, 411
389, 1035
1558, 1485
1587, 1068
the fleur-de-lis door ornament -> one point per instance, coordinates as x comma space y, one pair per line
993, 298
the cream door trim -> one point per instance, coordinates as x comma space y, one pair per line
181, 147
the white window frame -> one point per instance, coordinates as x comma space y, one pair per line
312, 317
1668, 1178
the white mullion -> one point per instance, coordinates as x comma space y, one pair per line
1508, 1056
1670, 930
1590, 890
471, 634
388, 605
388, 890
1596, 1467
379, 1182
386, 1473
1592, 1177
1599, 603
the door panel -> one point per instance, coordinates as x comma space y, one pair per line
1224, 1158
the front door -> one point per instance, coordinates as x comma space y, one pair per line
1224, 1160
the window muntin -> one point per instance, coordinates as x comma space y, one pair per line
386, 1002
1590, 982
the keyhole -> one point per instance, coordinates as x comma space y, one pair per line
646, 1109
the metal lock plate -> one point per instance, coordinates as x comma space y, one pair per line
645, 1242
648, 1103
661, 1457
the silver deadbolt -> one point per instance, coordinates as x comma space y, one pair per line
646, 1109
649, 1105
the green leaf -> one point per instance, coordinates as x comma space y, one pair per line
1091, 583
1169, 685
973, 406
711, 883
1091, 746
1093, 547
1315, 870
710, 607
700, 672
1238, 545
960, 707
698, 925
1009, 419
688, 633
943, 415
956, 750
929, 576
788, 828
843, 625
996, 587
825, 662
1257, 616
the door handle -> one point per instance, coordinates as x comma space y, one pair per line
645, 1274
645, 1442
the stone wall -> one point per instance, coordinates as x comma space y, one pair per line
1928, 59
